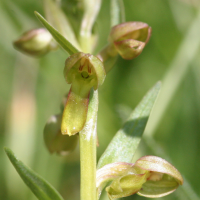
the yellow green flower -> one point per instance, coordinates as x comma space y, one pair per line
150, 176
82, 71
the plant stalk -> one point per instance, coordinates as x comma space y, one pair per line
88, 151
88, 167
91, 10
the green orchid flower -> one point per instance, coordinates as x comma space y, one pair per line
83, 72
150, 176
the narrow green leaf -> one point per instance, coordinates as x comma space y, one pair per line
124, 144
64, 43
117, 12
41, 188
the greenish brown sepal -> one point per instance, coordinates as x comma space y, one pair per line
130, 38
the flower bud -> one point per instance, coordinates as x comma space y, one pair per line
54, 140
36, 42
82, 71
130, 38
150, 176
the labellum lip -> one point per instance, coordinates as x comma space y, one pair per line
74, 114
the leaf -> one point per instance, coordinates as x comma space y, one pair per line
64, 43
124, 144
41, 188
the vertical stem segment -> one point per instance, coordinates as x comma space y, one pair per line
117, 12
88, 168
91, 10
88, 150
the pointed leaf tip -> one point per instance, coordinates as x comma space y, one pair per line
64, 43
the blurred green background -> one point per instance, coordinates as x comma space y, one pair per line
31, 90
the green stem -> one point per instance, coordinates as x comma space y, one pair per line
91, 10
108, 55
117, 12
88, 167
88, 151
